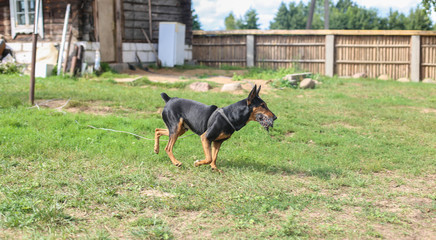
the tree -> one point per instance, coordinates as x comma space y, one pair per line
196, 25
396, 21
251, 19
429, 5
281, 20
229, 22
418, 19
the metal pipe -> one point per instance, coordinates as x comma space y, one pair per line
34, 45
64, 33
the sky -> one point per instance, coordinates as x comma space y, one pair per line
212, 12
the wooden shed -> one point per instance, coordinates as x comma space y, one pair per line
112, 26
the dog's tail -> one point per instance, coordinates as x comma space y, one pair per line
165, 97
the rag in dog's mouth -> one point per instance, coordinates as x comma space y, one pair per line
265, 121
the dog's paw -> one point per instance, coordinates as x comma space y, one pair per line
196, 163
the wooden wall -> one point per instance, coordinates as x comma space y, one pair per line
221, 50
374, 52
53, 15
301, 52
374, 55
82, 17
136, 17
428, 57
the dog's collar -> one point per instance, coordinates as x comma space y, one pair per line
221, 112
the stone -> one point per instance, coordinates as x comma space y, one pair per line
403, 80
200, 86
307, 83
429, 80
360, 75
384, 77
231, 87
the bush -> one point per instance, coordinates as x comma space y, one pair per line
9, 68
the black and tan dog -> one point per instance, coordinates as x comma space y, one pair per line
214, 125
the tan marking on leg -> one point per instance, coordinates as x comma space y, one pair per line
207, 151
173, 138
157, 133
215, 149
223, 136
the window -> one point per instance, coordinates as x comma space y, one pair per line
23, 17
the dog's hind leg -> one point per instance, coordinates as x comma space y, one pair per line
157, 133
180, 130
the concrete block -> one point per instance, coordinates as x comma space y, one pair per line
95, 46
23, 57
250, 50
16, 47
129, 46
43, 70
129, 56
89, 56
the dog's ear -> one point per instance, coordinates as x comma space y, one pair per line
258, 90
252, 95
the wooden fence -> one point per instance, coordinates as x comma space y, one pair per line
409, 54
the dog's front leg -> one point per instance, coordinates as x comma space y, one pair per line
215, 149
207, 151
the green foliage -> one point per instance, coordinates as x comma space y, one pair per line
292, 228
418, 19
248, 21
145, 82
230, 22
9, 68
346, 14
196, 25
429, 5
329, 155
150, 228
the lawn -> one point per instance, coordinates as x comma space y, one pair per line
353, 158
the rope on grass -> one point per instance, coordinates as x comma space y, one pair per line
136, 135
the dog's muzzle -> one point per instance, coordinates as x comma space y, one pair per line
265, 121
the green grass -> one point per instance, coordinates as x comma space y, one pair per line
350, 159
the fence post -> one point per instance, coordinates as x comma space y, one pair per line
250, 50
415, 61
330, 55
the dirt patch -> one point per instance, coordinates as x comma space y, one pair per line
156, 193
67, 105
341, 124
220, 77
421, 110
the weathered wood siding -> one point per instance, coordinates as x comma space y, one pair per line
221, 50
374, 55
428, 57
53, 15
374, 52
301, 52
136, 17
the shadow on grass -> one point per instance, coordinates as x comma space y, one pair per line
322, 172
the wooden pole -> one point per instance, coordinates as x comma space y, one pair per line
158, 62
149, 19
326, 14
70, 33
33, 63
310, 17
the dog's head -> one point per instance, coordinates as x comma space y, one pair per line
259, 109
